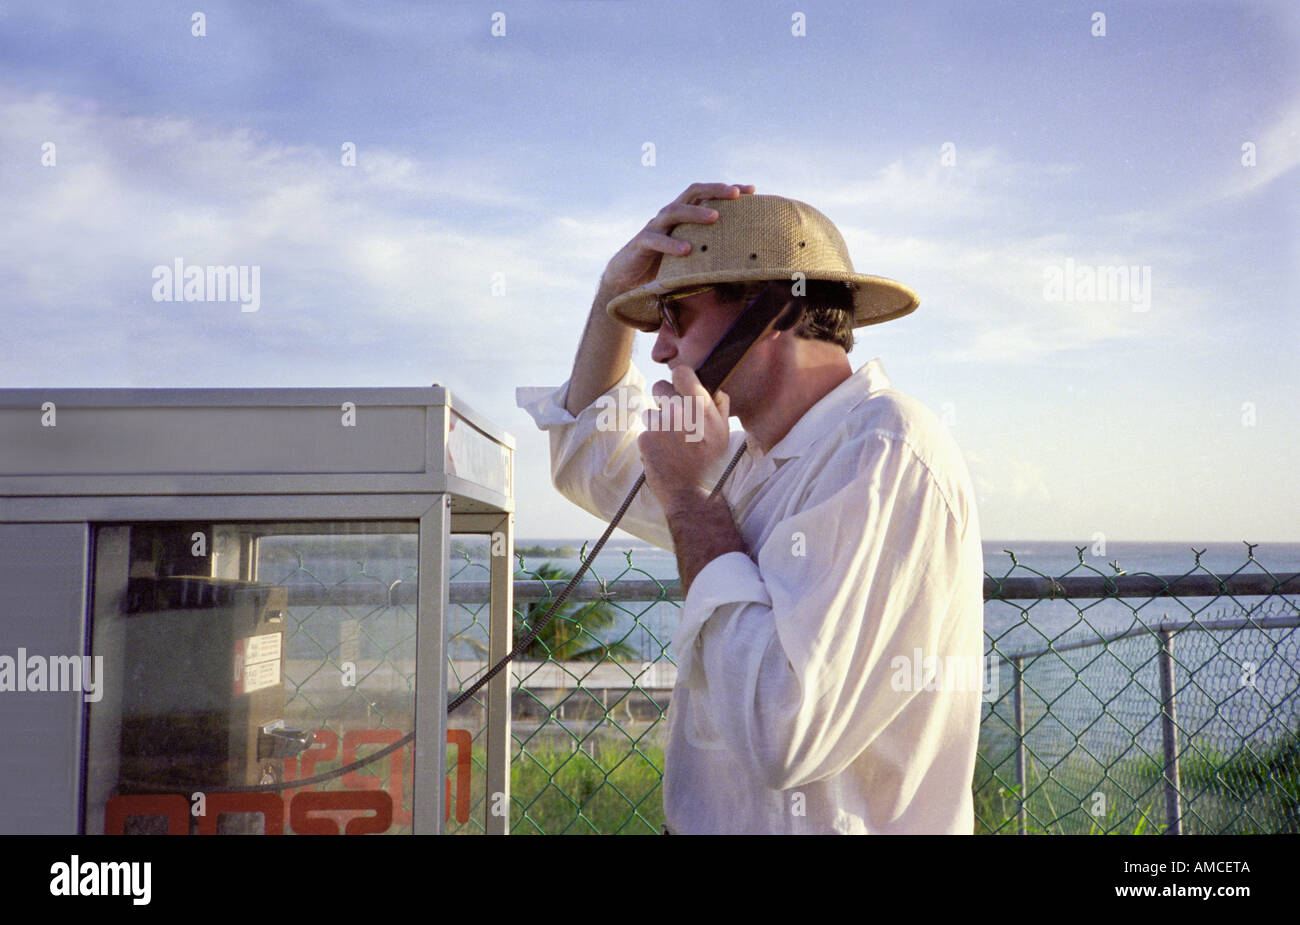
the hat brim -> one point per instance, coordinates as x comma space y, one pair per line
876, 299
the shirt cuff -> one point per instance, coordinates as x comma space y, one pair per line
546, 404
731, 578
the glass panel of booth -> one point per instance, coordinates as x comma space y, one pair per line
241, 658
473, 455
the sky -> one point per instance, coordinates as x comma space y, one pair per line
975, 152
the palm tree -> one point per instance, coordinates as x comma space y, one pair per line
572, 635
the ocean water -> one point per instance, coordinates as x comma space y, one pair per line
1049, 557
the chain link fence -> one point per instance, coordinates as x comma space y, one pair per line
593, 692
1114, 702
1131, 703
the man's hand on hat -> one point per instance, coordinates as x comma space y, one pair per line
684, 439
638, 261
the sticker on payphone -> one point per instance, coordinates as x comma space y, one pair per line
257, 663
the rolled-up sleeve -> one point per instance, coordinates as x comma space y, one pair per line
792, 656
594, 456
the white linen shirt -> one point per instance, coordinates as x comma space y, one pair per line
829, 680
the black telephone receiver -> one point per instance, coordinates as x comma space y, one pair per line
773, 309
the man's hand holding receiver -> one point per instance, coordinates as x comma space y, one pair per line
685, 440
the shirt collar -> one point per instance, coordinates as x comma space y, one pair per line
833, 407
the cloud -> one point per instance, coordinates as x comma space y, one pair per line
347, 254
980, 281
1003, 481
1277, 152
989, 298
915, 190
410, 247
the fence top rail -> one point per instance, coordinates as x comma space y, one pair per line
1140, 584
1005, 589
648, 590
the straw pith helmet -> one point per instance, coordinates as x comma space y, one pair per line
762, 238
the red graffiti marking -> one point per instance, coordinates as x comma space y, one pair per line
311, 812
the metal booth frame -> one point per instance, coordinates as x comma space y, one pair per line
97, 464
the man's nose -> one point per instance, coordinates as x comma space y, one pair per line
665, 347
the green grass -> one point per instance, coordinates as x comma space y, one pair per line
997, 807
559, 792
618, 791
1247, 792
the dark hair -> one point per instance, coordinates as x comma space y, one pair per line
829, 315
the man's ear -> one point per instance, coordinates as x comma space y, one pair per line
776, 334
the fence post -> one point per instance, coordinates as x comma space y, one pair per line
1169, 735
501, 620
1018, 667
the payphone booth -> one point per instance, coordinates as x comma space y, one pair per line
228, 611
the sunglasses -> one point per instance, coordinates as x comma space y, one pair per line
668, 312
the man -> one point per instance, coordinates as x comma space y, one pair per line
831, 633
